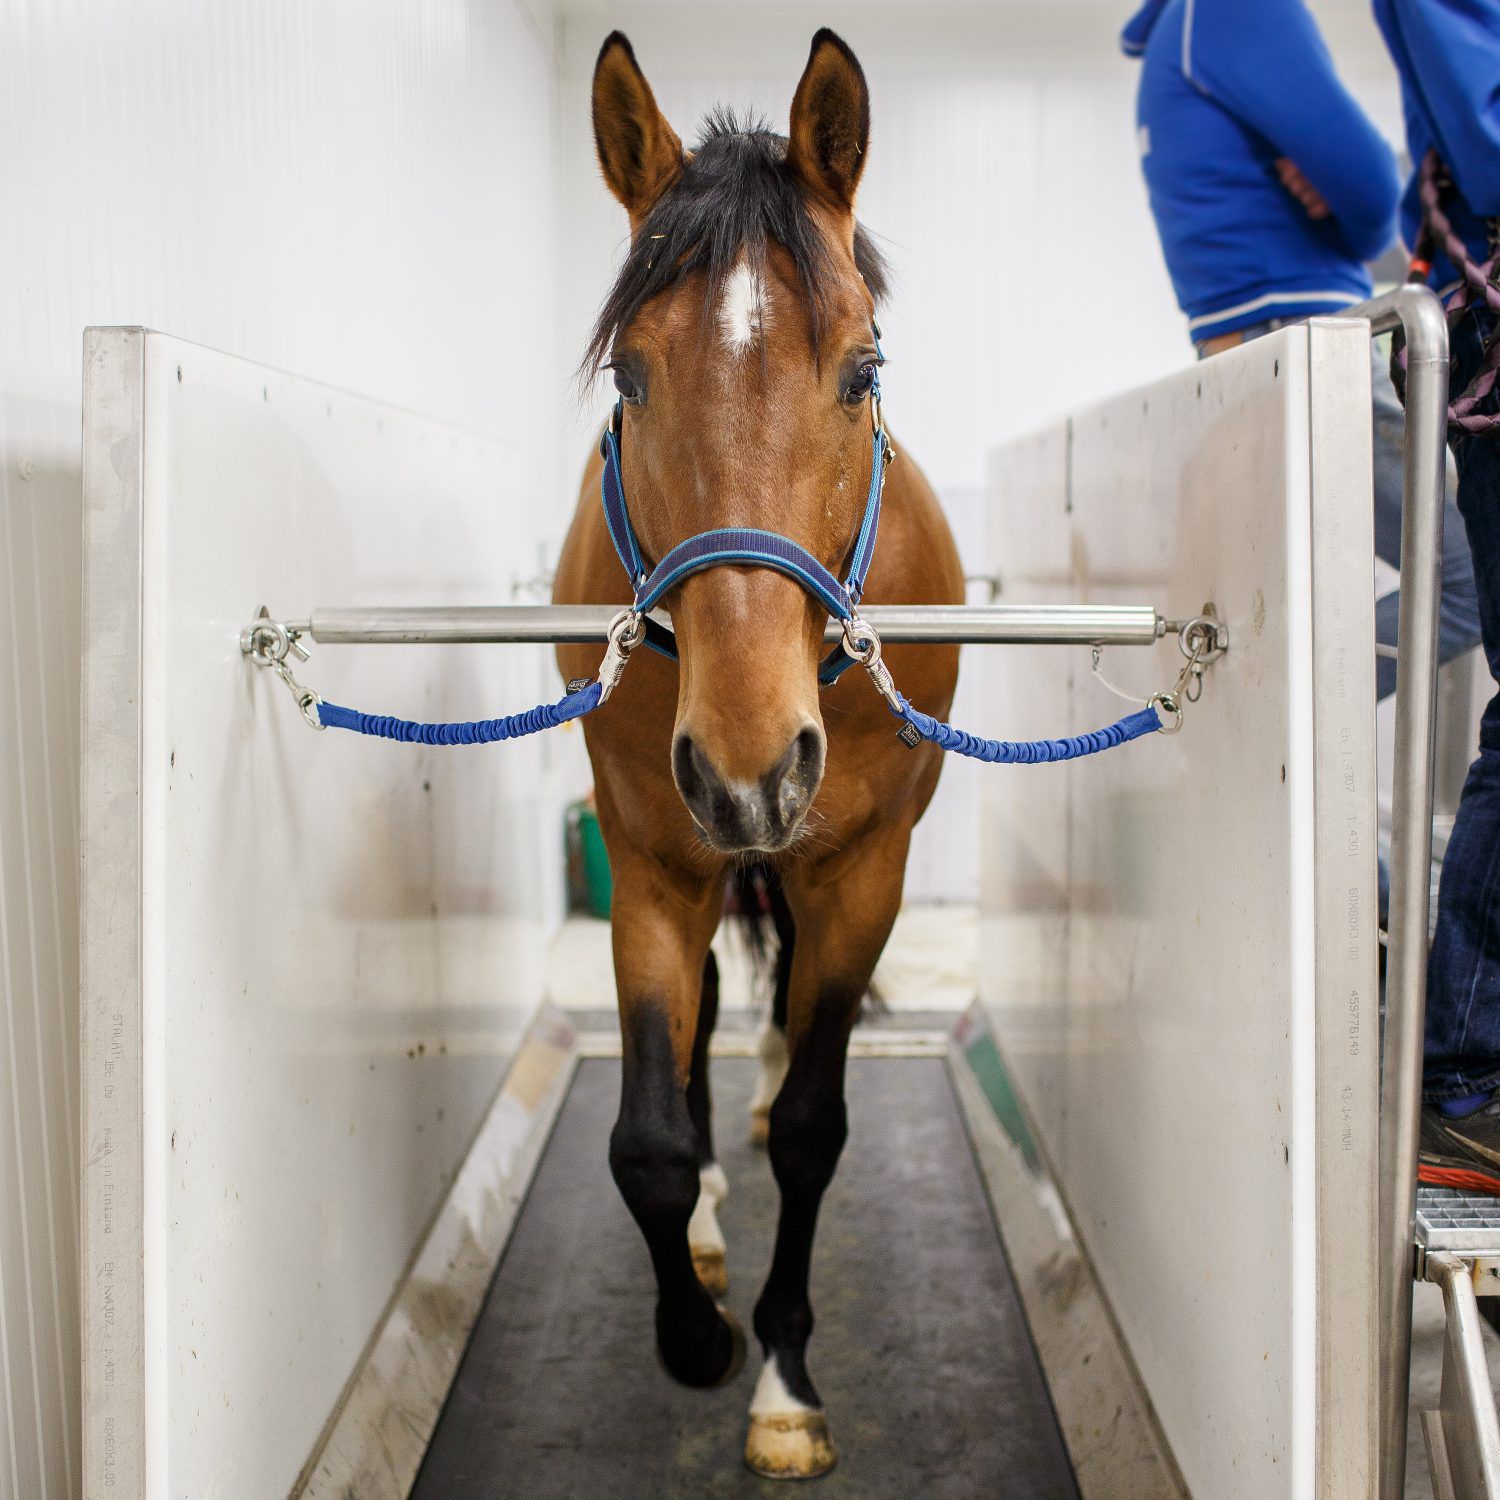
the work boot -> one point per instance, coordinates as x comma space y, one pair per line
1460, 1145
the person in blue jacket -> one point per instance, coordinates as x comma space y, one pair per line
1448, 55
1271, 190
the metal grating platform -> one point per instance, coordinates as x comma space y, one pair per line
1465, 1223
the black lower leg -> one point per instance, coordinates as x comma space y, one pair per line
700, 1108
809, 1125
786, 937
653, 1155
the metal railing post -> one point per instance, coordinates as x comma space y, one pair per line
1420, 315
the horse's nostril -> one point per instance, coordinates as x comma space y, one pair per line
687, 765
808, 750
800, 772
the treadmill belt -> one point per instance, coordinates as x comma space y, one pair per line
921, 1351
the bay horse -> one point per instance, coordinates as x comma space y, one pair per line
741, 336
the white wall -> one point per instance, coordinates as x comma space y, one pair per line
362, 192
1004, 187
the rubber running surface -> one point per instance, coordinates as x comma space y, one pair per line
921, 1351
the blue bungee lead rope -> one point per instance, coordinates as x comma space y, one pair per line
268, 643
479, 732
861, 642
1028, 752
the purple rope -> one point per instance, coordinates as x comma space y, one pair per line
1477, 286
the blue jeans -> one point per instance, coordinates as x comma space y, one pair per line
1458, 620
1463, 971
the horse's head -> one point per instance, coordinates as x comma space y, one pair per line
740, 334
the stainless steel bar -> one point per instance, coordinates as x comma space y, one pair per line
1420, 315
991, 624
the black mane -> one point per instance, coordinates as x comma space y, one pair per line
736, 195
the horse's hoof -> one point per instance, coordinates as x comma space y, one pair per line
705, 1365
760, 1128
713, 1271
790, 1445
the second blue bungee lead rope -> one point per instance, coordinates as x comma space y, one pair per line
1026, 752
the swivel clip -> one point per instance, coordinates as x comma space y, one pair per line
268, 643
626, 631
862, 643
1202, 640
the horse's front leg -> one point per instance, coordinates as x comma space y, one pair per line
662, 927
842, 924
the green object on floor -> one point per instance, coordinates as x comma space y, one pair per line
598, 881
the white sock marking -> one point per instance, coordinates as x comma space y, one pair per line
703, 1228
743, 309
773, 1064
771, 1398
711, 1180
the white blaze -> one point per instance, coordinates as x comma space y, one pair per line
743, 309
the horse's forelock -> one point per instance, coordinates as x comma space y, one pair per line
736, 196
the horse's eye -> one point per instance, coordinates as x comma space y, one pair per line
860, 385
625, 383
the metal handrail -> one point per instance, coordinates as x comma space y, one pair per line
1419, 314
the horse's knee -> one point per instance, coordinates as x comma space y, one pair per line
806, 1136
655, 1165
652, 1149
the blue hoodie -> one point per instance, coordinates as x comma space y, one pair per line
1448, 55
1227, 87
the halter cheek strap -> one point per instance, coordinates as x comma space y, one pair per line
746, 546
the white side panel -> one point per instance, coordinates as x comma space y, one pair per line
365, 191
340, 938
1177, 937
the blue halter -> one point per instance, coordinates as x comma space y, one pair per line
746, 546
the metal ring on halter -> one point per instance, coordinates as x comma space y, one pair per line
1166, 703
627, 630
860, 641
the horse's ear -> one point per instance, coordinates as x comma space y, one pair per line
830, 121
639, 153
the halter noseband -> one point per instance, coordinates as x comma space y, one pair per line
747, 546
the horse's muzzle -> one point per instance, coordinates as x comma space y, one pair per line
764, 814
